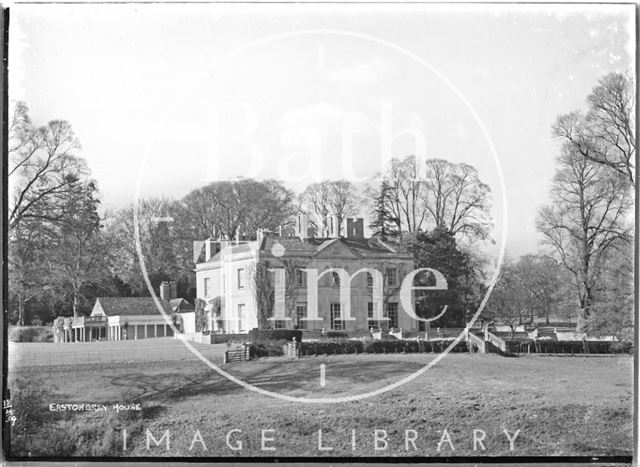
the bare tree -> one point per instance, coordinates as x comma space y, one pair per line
343, 200
315, 199
586, 219
606, 134
29, 266
159, 243
42, 167
405, 187
338, 198
455, 199
224, 209
508, 301
542, 279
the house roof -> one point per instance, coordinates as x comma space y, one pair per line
132, 306
235, 250
296, 246
364, 247
180, 304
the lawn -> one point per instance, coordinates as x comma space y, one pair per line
571, 406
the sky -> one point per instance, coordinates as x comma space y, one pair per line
167, 98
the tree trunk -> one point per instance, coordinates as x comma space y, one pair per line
75, 304
548, 310
585, 311
20, 310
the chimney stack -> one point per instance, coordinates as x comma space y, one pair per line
211, 247
334, 228
173, 291
355, 227
302, 226
165, 291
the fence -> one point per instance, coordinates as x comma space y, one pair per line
238, 355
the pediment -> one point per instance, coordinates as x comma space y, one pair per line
335, 249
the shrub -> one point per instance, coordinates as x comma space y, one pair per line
262, 335
267, 348
31, 334
29, 397
571, 347
622, 347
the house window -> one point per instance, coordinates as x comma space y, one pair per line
242, 318
392, 277
336, 323
301, 277
207, 286
392, 314
371, 323
280, 324
301, 312
335, 279
369, 279
241, 278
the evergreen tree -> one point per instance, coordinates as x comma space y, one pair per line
438, 250
384, 224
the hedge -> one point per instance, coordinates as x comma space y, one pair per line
572, 347
377, 346
261, 335
31, 334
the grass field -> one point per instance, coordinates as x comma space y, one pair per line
577, 406
161, 349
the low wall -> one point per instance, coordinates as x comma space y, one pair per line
201, 338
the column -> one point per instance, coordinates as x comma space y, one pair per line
145, 332
165, 330
135, 332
